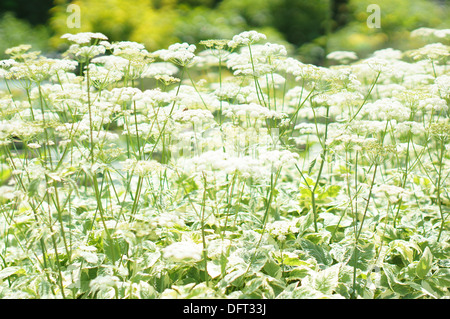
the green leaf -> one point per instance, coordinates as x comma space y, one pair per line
305, 222
85, 278
311, 165
298, 273
364, 254
292, 261
150, 259
428, 289
326, 280
277, 286
187, 183
424, 264
405, 249
390, 271
233, 277
445, 263
340, 252
146, 291
317, 252
33, 187
272, 269
331, 192
253, 285
5, 173
306, 292
114, 248
396, 285
442, 276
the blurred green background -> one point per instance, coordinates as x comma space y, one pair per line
309, 28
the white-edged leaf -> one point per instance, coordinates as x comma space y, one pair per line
89, 257
321, 255
425, 263
214, 270
326, 280
9, 271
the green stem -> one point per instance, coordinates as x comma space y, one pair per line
204, 250
439, 182
265, 217
367, 97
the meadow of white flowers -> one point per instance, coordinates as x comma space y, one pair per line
225, 169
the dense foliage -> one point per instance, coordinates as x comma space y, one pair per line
224, 169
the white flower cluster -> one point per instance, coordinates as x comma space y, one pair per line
429, 33
342, 56
433, 51
268, 50
127, 49
252, 111
142, 167
102, 76
37, 70
123, 94
219, 161
230, 91
149, 99
193, 116
257, 60
179, 53
245, 38
386, 109
277, 159
280, 229
442, 86
407, 127
193, 98
84, 37
85, 53
305, 128
435, 104
111, 62
158, 69
388, 54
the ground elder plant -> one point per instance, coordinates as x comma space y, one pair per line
224, 169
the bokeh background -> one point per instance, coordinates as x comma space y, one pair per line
308, 28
